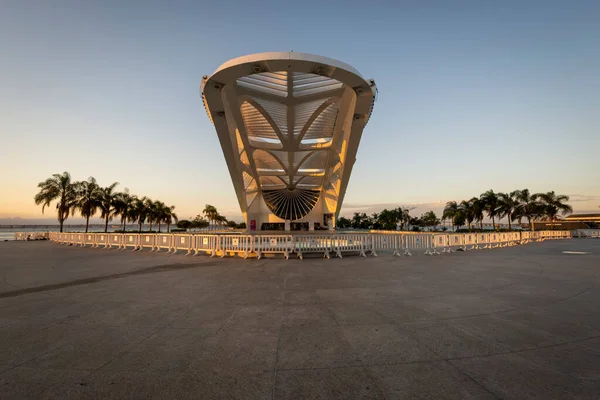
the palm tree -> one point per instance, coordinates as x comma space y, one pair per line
88, 199
108, 198
58, 188
169, 216
139, 212
507, 205
151, 212
490, 205
553, 204
477, 209
159, 213
466, 208
451, 211
124, 206
210, 212
528, 206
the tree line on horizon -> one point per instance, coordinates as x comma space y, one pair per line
515, 206
210, 215
89, 198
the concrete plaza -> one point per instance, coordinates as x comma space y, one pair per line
518, 323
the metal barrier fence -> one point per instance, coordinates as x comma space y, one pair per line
338, 244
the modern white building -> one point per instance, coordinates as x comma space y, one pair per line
289, 125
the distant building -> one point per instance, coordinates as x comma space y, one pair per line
289, 125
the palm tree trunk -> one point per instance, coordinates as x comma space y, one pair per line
60, 221
509, 224
530, 223
87, 223
150, 227
493, 222
168, 228
158, 226
124, 222
106, 225
140, 226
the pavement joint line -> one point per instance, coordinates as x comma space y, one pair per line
475, 381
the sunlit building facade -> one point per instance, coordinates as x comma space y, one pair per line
289, 125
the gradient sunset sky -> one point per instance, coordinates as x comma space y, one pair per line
472, 96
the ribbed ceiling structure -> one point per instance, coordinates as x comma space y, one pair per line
285, 122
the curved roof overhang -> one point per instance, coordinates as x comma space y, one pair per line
289, 122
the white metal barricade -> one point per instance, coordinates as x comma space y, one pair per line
417, 242
206, 243
456, 241
80, 239
147, 241
470, 239
72, 239
89, 239
483, 241
357, 243
163, 241
503, 239
312, 244
273, 244
440, 241
494, 240
231, 244
115, 240
131, 240
101, 240
182, 242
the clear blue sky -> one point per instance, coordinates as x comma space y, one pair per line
471, 96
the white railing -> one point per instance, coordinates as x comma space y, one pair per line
338, 244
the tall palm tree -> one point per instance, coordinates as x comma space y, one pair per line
210, 212
528, 206
151, 212
159, 213
468, 211
108, 198
88, 199
477, 209
553, 204
169, 216
139, 212
58, 188
490, 205
507, 205
124, 206
451, 211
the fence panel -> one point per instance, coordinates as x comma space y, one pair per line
163, 241
274, 244
456, 241
206, 243
417, 242
440, 241
101, 240
470, 239
312, 244
115, 240
131, 240
80, 239
89, 239
147, 241
182, 242
483, 241
231, 244
357, 243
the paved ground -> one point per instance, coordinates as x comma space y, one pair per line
521, 322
